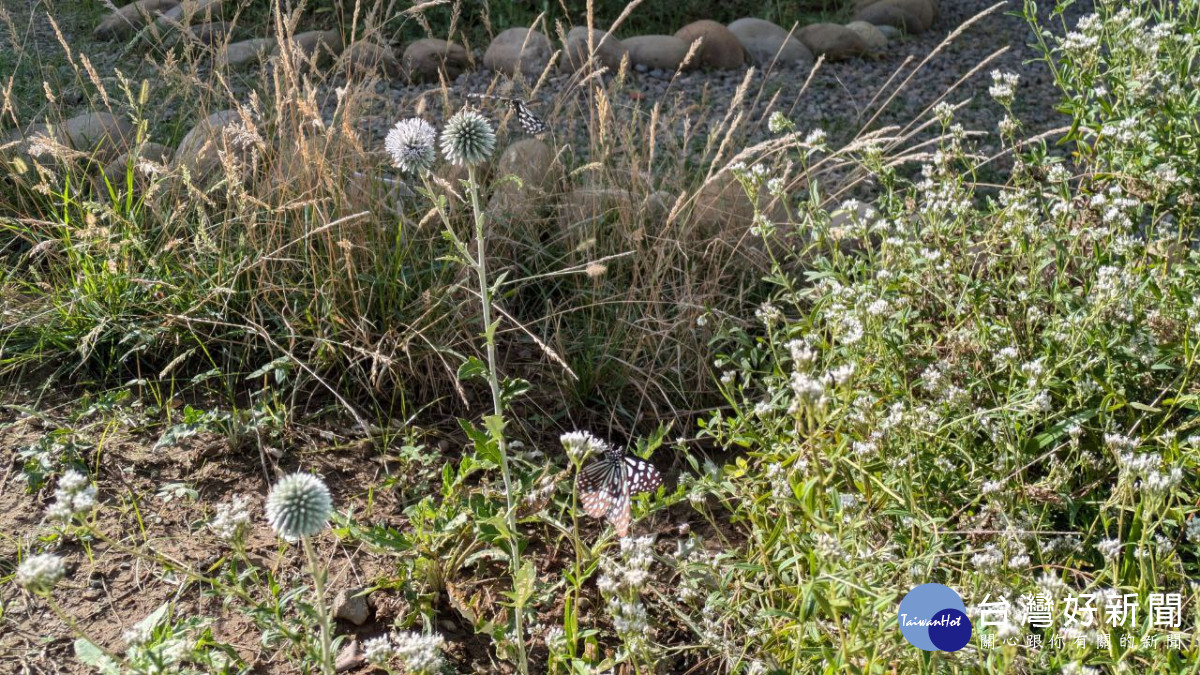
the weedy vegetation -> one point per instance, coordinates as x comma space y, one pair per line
311, 368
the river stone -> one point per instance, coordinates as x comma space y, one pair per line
244, 52
764, 40
116, 170
531, 161
124, 22
870, 34
198, 151
720, 50
609, 50
424, 59
317, 46
657, 52
835, 42
366, 59
101, 135
912, 16
519, 50
210, 34
188, 12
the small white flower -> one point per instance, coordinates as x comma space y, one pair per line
420, 653
379, 649
39, 573
778, 123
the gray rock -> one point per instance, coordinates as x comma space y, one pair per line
351, 605
660, 52
123, 23
426, 58
367, 59
244, 52
720, 50
870, 34
519, 50
833, 41
609, 50
768, 43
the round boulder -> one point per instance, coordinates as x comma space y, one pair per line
767, 43
210, 34
526, 175
871, 35
244, 52
124, 22
317, 46
426, 58
609, 50
188, 12
657, 52
720, 49
835, 42
913, 16
116, 170
519, 51
102, 135
199, 150
367, 59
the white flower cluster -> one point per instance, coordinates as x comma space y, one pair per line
1004, 87
633, 571
75, 496
39, 573
421, 654
581, 444
232, 520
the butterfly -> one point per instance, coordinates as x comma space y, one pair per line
530, 123
607, 484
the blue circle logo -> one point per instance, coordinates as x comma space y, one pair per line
934, 618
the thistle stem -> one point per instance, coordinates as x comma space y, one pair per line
489, 334
318, 575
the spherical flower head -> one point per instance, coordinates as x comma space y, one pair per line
39, 573
411, 145
299, 506
468, 138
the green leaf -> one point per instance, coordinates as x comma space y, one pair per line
93, 656
473, 367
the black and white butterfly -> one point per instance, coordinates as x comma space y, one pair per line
607, 484
530, 123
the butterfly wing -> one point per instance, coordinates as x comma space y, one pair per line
641, 476
621, 514
599, 486
532, 124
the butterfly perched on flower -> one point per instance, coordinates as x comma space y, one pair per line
530, 123
608, 483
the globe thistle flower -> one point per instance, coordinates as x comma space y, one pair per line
420, 653
39, 573
299, 506
411, 145
468, 138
